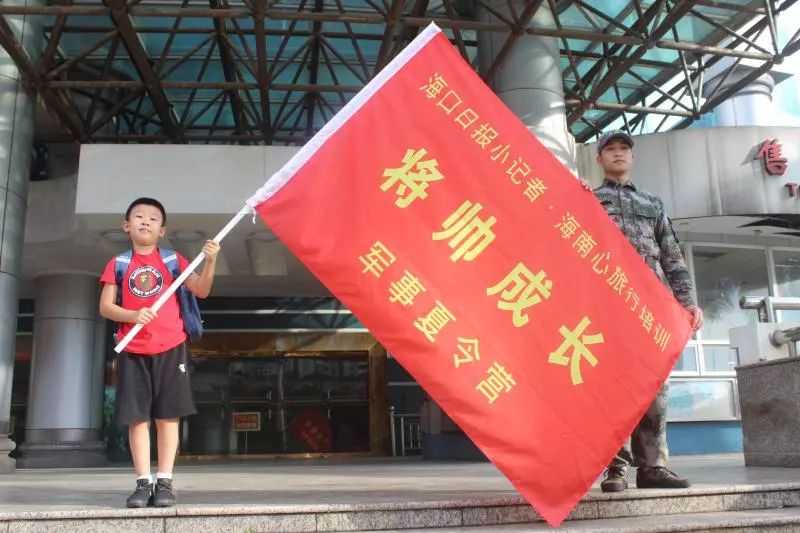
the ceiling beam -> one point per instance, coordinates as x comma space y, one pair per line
229, 70
53, 100
122, 20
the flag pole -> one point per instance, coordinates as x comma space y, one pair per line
185, 274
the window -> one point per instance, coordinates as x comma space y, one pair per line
703, 382
719, 358
787, 277
723, 275
702, 399
688, 360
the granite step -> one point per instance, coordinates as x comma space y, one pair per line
431, 514
783, 520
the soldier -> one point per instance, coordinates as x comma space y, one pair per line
641, 217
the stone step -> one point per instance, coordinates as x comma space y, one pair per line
766, 520
446, 514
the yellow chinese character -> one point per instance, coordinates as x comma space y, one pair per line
647, 319
467, 232
521, 289
584, 244
578, 342
599, 257
412, 178
618, 280
500, 151
466, 118
469, 351
518, 167
662, 337
435, 85
449, 102
534, 189
405, 289
568, 226
484, 135
498, 380
632, 296
432, 323
377, 259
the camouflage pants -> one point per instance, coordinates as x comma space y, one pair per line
647, 446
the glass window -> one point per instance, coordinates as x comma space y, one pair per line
787, 275
697, 399
723, 275
258, 405
719, 358
687, 361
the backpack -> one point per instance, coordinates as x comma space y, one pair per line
187, 303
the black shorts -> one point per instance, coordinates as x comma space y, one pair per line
154, 386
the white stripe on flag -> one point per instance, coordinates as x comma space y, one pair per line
280, 178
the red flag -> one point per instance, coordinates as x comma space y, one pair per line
484, 267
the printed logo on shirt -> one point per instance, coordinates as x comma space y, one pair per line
145, 282
182, 367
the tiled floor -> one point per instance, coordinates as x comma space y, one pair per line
322, 482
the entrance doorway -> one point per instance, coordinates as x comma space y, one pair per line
253, 400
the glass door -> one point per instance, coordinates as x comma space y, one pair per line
288, 404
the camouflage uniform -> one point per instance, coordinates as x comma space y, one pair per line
642, 218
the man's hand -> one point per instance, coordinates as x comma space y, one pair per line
211, 249
145, 315
697, 317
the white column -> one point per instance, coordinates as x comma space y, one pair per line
16, 136
529, 80
65, 401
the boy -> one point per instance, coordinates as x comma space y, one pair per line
152, 371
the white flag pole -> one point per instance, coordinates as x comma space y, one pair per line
185, 274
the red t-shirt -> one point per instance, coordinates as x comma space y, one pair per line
142, 284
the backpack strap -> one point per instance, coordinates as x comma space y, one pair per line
187, 303
121, 264
170, 259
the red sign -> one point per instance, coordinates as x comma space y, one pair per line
771, 153
484, 267
247, 421
311, 426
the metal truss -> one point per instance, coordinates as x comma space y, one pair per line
274, 71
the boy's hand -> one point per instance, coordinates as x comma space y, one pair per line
211, 249
145, 315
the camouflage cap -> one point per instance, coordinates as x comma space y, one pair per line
613, 134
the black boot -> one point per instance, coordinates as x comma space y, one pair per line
659, 478
615, 480
143, 495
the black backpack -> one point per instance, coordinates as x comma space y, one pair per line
190, 312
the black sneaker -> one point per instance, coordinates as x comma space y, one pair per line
164, 494
659, 478
143, 495
615, 481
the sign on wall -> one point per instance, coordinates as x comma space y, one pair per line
771, 154
247, 421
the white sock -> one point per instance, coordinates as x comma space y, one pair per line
148, 477
164, 475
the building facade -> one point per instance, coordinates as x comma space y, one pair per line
108, 101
